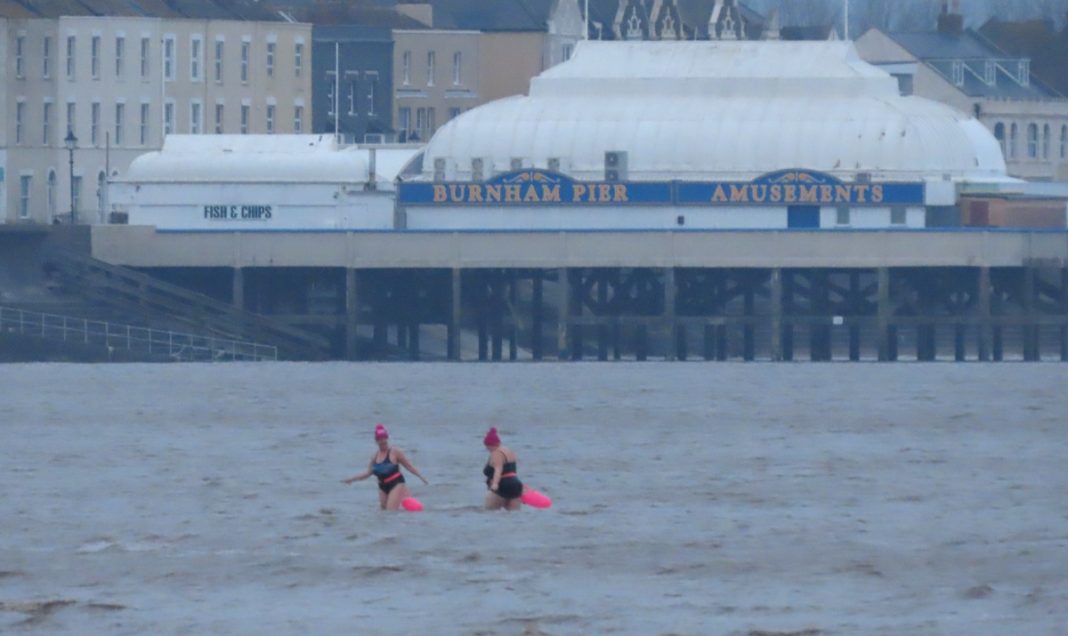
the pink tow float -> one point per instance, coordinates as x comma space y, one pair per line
535, 499
411, 504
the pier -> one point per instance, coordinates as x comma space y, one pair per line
714, 295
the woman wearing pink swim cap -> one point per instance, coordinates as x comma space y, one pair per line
385, 466
505, 489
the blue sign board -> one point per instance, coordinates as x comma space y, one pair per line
799, 187
531, 187
535, 187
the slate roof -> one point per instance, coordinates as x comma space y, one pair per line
195, 9
939, 50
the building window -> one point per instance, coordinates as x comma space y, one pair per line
94, 124
168, 118
1064, 142
270, 58
567, 52
142, 135
270, 119
244, 118
71, 115
194, 118
454, 113
20, 119
120, 123
990, 72
420, 123
1047, 140
120, 55
51, 194
431, 122
246, 48
404, 121
298, 58
897, 215
1013, 134
999, 134
25, 184
406, 68
94, 57
46, 58
352, 96
430, 68
46, 124
372, 84
457, 68
1032, 141
1023, 72
298, 119
168, 59
20, 60
842, 215
196, 53
70, 56
145, 50
219, 49
218, 119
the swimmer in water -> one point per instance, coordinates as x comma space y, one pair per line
505, 489
385, 466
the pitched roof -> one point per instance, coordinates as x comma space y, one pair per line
195, 9
1037, 40
940, 50
499, 15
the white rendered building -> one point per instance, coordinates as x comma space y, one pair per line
708, 112
260, 183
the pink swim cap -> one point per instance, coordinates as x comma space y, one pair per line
492, 439
381, 432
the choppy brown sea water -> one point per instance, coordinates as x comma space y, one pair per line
690, 498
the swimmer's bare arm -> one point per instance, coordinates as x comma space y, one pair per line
497, 461
364, 475
402, 459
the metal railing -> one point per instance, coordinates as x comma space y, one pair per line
178, 346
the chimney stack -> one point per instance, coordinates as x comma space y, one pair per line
951, 22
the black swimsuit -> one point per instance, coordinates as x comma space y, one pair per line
509, 486
388, 473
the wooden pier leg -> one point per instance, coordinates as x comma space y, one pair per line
854, 329
959, 343
641, 343
787, 309
496, 307
983, 323
455, 315
513, 328
352, 313
883, 319
538, 303
776, 314
1030, 326
748, 338
413, 341
602, 324
564, 312
238, 293
1064, 311
669, 314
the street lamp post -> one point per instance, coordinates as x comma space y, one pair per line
71, 142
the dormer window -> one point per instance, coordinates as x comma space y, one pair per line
1023, 72
958, 73
990, 73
